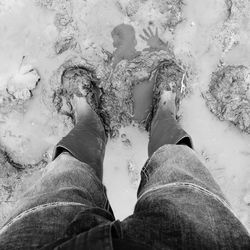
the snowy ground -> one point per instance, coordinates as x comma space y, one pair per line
207, 35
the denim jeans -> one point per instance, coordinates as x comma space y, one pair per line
179, 206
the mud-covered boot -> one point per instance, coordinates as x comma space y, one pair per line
87, 140
162, 121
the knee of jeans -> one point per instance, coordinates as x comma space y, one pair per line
65, 172
158, 160
173, 156
176, 163
170, 150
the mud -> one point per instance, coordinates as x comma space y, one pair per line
116, 88
65, 24
170, 11
118, 98
228, 96
230, 34
19, 89
122, 73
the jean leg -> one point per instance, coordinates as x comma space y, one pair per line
166, 130
180, 206
68, 187
86, 142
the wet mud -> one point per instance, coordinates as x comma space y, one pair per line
228, 96
122, 75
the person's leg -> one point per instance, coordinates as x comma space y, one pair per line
71, 185
166, 133
164, 127
180, 206
87, 140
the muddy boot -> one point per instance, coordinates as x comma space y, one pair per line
87, 140
162, 121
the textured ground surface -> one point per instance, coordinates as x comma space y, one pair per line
228, 96
41, 38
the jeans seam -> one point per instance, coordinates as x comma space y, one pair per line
191, 186
98, 184
37, 208
105, 204
145, 172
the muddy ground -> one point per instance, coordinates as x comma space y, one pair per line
42, 38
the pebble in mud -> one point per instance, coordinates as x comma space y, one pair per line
65, 43
228, 96
125, 140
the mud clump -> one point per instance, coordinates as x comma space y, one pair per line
228, 96
64, 22
169, 11
58, 5
65, 43
172, 10
20, 85
67, 30
129, 8
230, 34
19, 88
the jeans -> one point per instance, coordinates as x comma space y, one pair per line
179, 204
